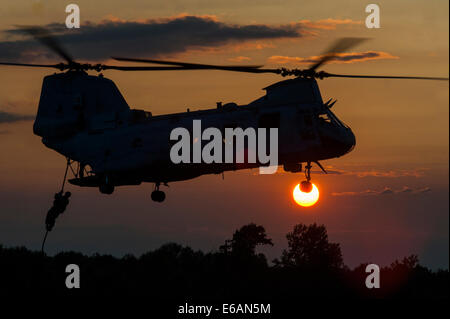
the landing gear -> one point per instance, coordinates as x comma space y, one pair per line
106, 187
157, 195
306, 186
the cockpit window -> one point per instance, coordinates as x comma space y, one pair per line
328, 118
324, 118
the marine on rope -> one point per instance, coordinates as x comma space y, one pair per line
60, 202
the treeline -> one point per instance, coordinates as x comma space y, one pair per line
311, 266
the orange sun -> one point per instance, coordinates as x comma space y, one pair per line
306, 199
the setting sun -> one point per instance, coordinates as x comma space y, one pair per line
306, 199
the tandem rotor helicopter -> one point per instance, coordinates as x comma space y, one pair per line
107, 144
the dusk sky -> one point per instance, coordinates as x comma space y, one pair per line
387, 199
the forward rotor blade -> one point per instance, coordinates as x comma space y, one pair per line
190, 65
46, 38
57, 66
329, 75
339, 46
101, 67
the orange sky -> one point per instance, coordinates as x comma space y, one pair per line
401, 128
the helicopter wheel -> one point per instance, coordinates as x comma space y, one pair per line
106, 187
306, 186
158, 196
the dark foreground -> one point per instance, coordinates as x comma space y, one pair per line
310, 267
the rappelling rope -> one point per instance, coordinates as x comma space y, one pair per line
62, 190
43, 242
65, 175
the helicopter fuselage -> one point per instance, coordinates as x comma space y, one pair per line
86, 119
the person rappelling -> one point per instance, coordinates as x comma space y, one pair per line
59, 206
60, 202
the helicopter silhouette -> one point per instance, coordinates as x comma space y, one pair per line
107, 144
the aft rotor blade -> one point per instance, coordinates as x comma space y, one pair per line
46, 38
180, 68
339, 46
143, 68
190, 65
57, 66
328, 75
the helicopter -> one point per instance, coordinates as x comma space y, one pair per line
108, 144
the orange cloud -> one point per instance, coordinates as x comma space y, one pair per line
111, 18
228, 48
327, 24
417, 173
389, 174
385, 191
339, 58
239, 59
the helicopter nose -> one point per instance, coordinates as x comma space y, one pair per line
337, 140
348, 140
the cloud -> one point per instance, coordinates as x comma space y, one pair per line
422, 190
239, 59
328, 24
385, 191
344, 193
418, 172
406, 189
160, 37
331, 170
152, 37
339, 58
7, 117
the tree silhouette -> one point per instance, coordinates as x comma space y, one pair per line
407, 263
311, 266
245, 240
241, 249
308, 247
